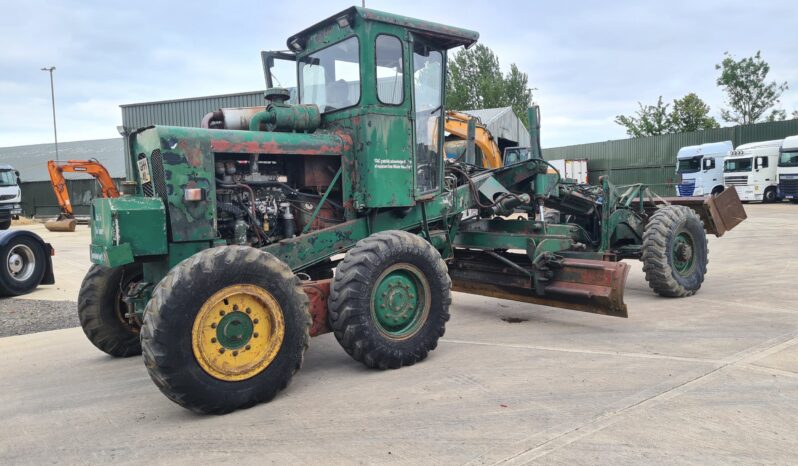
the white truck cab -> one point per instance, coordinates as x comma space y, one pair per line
751, 169
10, 195
788, 169
701, 168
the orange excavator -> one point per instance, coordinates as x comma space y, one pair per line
66, 220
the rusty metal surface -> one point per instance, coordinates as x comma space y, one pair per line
318, 291
719, 213
579, 284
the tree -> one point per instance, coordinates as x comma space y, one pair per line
748, 94
795, 115
690, 113
649, 120
474, 80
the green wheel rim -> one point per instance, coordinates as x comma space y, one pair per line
683, 253
400, 301
234, 330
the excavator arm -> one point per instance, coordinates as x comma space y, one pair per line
456, 123
66, 221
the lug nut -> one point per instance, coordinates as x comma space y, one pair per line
249, 311
213, 325
248, 347
255, 335
235, 353
235, 307
221, 350
213, 340
221, 313
255, 321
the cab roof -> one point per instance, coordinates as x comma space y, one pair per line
705, 149
790, 143
759, 145
447, 36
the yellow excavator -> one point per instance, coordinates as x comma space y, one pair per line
490, 155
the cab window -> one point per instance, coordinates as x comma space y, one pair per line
428, 103
330, 78
388, 52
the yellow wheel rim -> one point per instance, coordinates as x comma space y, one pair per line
238, 332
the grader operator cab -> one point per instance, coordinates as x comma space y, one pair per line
224, 261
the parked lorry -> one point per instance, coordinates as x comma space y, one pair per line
701, 168
221, 258
788, 169
571, 169
25, 259
751, 170
10, 196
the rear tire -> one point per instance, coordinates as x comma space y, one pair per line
225, 329
675, 251
389, 300
23, 263
102, 311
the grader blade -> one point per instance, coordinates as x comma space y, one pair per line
579, 284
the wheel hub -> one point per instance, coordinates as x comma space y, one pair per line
400, 300
683, 253
15, 263
20, 262
238, 332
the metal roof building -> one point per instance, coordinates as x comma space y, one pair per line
31, 161
504, 125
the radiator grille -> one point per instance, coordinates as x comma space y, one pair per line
736, 180
686, 188
146, 188
788, 185
157, 173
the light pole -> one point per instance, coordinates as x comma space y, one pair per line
52, 98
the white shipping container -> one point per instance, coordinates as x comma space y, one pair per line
574, 169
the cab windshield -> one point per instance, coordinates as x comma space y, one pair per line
330, 77
737, 165
788, 159
8, 178
690, 165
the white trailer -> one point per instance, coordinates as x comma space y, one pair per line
751, 170
573, 169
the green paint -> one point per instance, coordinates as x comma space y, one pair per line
234, 330
399, 302
683, 253
118, 233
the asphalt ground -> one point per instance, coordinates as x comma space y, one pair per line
710, 379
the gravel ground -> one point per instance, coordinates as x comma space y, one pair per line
23, 316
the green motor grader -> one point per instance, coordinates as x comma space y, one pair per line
331, 208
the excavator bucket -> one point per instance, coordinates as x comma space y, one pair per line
61, 224
594, 286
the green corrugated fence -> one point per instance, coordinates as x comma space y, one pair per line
652, 160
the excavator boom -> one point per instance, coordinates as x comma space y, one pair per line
456, 123
66, 220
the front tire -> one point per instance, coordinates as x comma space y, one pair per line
675, 251
389, 300
23, 263
102, 311
770, 195
225, 329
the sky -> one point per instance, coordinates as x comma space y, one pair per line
588, 61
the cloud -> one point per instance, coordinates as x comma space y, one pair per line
590, 61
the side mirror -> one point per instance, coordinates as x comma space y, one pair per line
16, 172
